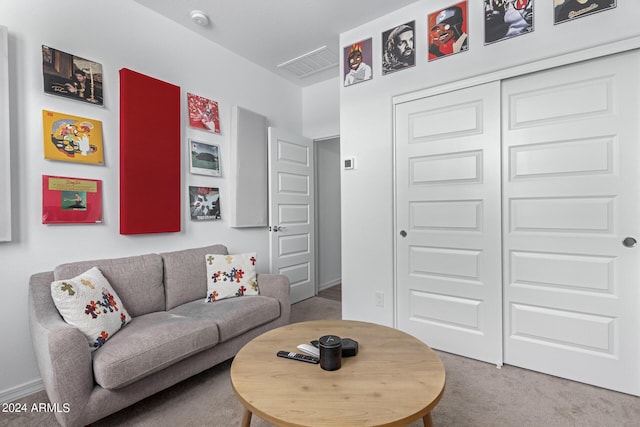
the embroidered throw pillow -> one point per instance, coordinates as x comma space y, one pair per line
231, 276
89, 303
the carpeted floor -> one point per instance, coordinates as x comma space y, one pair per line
477, 394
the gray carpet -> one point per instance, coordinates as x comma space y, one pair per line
477, 394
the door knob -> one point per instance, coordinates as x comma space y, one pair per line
403, 233
629, 242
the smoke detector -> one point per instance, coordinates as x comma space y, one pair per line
200, 18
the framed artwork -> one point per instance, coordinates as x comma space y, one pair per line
398, 48
204, 203
5, 145
70, 76
356, 64
205, 158
568, 10
448, 31
71, 200
203, 113
506, 19
72, 138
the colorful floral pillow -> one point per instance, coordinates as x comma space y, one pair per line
231, 276
89, 303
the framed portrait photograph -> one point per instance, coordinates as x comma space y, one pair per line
448, 31
204, 158
398, 48
204, 203
203, 113
357, 62
568, 10
67, 200
71, 76
506, 19
72, 138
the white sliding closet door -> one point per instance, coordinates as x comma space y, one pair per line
448, 230
571, 198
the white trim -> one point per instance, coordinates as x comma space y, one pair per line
544, 64
21, 391
5, 146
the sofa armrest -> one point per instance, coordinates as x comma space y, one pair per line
277, 286
61, 350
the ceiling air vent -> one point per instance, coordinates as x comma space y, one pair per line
311, 63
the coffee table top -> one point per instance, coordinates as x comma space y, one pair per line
394, 380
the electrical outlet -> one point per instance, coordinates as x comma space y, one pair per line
380, 299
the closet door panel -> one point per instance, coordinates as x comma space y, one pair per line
570, 198
448, 265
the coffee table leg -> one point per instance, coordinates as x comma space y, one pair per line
427, 421
246, 418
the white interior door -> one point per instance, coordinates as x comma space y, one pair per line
571, 197
291, 211
448, 221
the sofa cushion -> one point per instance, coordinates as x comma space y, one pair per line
137, 280
185, 275
148, 344
233, 316
89, 303
231, 276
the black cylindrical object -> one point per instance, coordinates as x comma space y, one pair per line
330, 352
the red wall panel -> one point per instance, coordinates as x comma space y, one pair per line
149, 154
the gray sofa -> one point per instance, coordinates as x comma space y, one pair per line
174, 334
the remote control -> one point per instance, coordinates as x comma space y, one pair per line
309, 349
297, 356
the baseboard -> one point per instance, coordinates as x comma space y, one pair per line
21, 391
324, 286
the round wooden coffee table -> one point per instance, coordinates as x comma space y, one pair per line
395, 379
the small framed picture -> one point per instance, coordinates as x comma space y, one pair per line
568, 10
204, 203
70, 76
67, 200
203, 113
205, 158
357, 62
72, 138
448, 31
398, 48
506, 19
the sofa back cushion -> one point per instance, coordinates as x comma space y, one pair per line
185, 274
137, 280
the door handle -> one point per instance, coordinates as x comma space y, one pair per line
403, 233
629, 242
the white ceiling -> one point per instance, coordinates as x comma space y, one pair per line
273, 32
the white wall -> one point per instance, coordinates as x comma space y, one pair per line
117, 35
321, 109
366, 130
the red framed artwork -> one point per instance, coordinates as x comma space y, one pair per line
448, 31
67, 200
203, 113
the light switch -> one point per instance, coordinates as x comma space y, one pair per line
349, 163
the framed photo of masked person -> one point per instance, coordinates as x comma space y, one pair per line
568, 10
398, 48
357, 62
504, 19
